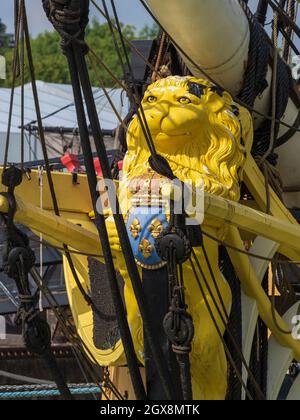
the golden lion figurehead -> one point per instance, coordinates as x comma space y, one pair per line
198, 129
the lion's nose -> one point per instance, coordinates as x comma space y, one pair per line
157, 115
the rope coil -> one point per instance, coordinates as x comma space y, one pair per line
255, 84
70, 19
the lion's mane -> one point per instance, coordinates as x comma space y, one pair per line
216, 153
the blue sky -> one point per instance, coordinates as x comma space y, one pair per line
130, 11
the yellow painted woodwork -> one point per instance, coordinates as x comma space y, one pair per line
200, 136
71, 198
252, 287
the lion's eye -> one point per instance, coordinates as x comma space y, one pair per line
151, 99
184, 100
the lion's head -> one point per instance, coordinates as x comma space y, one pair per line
198, 128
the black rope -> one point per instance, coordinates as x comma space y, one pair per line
178, 323
75, 58
15, 74
210, 311
255, 83
158, 163
161, 168
259, 352
81, 352
261, 11
101, 227
18, 260
292, 14
40, 127
79, 60
87, 298
235, 323
284, 16
224, 319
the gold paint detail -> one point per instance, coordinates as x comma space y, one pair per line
135, 228
156, 228
146, 248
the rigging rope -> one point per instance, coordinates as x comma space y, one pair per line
150, 150
230, 358
88, 299
18, 260
15, 74
31, 68
248, 253
17, 393
292, 11
72, 31
128, 42
81, 351
224, 318
81, 44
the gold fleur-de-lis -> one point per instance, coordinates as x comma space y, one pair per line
135, 228
146, 248
156, 228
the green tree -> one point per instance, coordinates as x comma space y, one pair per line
3, 38
2, 27
149, 32
51, 65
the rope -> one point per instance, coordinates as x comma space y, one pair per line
128, 42
22, 79
293, 15
249, 254
235, 322
255, 83
101, 82
21, 378
77, 66
261, 12
255, 76
42, 386
14, 78
284, 16
121, 228
273, 297
228, 353
135, 97
77, 349
224, 320
69, 18
61, 249
87, 298
41, 185
17, 395
81, 351
162, 46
